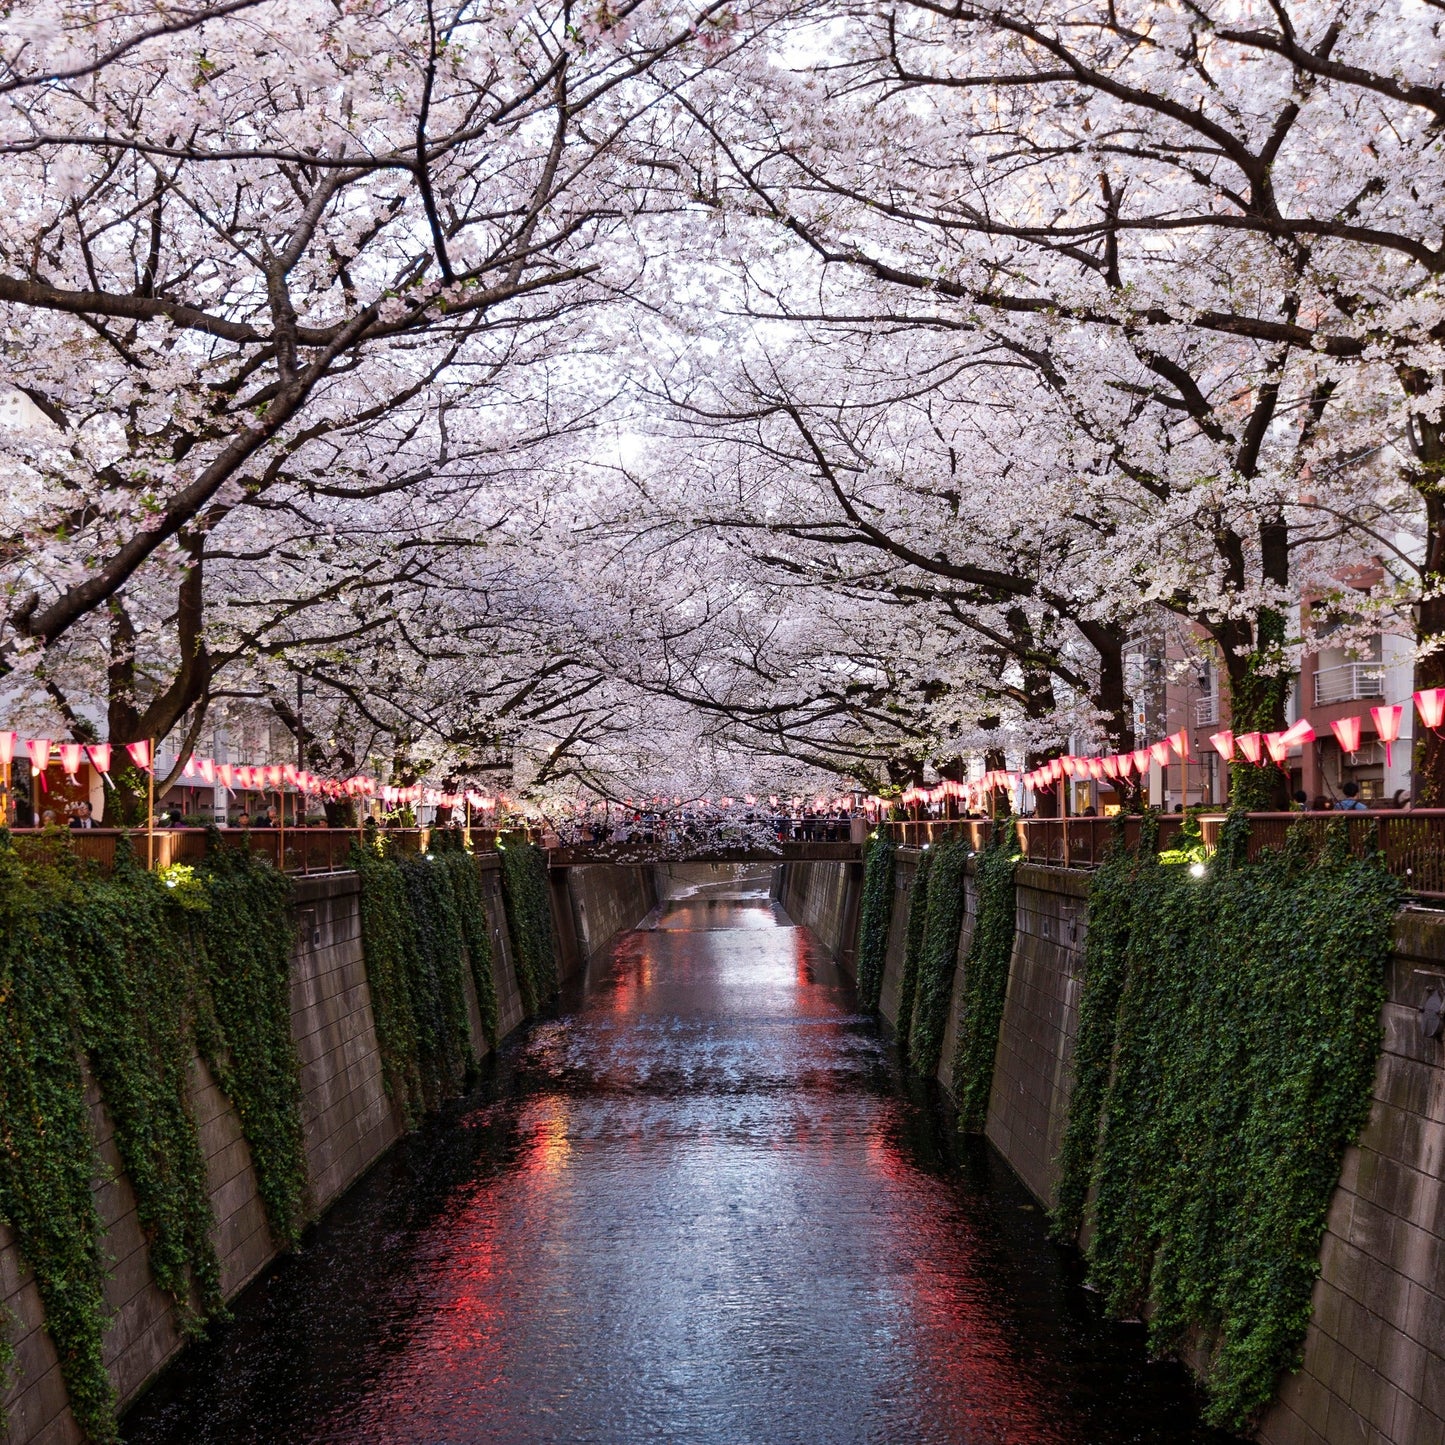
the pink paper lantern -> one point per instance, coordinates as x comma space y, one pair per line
70, 759
1430, 704
1299, 733
1251, 745
7, 748
1141, 760
1278, 747
1223, 744
1111, 767
1160, 751
1347, 733
1387, 724
39, 750
1126, 764
140, 755
1180, 742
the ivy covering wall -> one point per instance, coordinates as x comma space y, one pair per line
943, 906
985, 977
1228, 1036
527, 898
123, 980
423, 927
913, 949
875, 917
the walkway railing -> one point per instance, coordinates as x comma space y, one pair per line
1413, 843
306, 850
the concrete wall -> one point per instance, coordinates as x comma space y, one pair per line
824, 897
606, 900
1374, 1357
349, 1124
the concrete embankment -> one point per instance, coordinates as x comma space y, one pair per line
348, 1119
1374, 1356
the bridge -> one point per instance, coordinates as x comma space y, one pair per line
641, 851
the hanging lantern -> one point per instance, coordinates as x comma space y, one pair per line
1160, 752
1297, 734
1180, 742
1125, 764
1278, 748
1111, 767
140, 755
1223, 744
190, 770
1430, 704
227, 774
1251, 745
1141, 760
70, 760
39, 750
1096, 769
291, 774
7, 748
208, 770
1387, 724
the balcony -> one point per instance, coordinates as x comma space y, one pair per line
1206, 712
1350, 681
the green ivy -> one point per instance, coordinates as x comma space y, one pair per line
47, 1152
437, 961
467, 888
1228, 1040
985, 977
913, 948
423, 926
124, 979
250, 935
527, 899
1106, 945
875, 917
938, 954
387, 943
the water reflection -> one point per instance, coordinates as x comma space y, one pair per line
695, 1207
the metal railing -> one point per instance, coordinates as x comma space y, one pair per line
296, 850
1349, 681
1411, 842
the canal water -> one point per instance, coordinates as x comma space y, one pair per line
698, 1206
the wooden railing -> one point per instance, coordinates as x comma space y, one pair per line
1413, 843
297, 850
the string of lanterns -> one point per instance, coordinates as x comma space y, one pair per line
232, 777
1259, 748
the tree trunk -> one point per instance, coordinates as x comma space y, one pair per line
1257, 694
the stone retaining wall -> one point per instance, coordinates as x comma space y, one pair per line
1374, 1357
349, 1124
824, 897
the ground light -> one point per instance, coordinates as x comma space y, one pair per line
1196, 870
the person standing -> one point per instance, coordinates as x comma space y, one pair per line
1350, 803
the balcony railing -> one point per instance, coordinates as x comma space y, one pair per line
1349, 681
1206, 711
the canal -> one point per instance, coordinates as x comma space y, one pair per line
698, 1206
